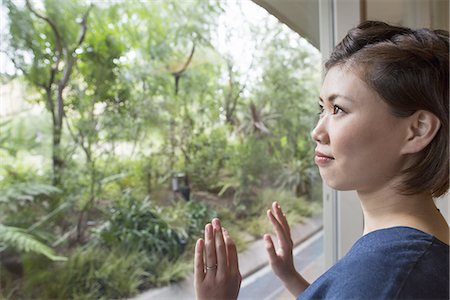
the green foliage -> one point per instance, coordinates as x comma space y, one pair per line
208, 153
187, 217
90, 273
167, 271
22, 203
161, 234
236, 228
22, 192
124, 174
251, 166
298, 177
134, 224
23, 242
295, 208
18, 134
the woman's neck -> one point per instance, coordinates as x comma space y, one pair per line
386, 208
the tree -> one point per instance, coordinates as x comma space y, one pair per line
52, 40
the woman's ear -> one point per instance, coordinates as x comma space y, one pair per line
421, 130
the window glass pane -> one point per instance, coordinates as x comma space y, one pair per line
127, 125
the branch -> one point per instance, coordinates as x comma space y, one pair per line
234, 102
83, 29
78, 140
52, 25
68, 68
178, 73
58, 41
18, 67
244, 85
72, 134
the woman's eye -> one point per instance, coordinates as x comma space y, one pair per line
320, 110
336, 109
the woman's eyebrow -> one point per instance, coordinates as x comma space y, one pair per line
332, 97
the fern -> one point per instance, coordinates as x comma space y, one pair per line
19, 239
26, 192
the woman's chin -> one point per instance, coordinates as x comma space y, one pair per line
337, 184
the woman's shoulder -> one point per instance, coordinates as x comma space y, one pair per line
388, 263
397, 240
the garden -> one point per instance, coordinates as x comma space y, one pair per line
140, 121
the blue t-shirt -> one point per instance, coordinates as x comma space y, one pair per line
392, 263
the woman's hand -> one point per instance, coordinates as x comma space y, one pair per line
281, 259
216, 265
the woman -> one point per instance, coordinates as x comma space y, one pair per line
384, 132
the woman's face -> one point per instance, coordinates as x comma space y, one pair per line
358, 140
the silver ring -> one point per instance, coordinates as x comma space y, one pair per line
212, 267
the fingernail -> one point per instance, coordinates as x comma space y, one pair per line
215, 223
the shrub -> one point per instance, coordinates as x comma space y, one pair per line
251, 166
297, 176
90, 273
187, 218
166, 271
25, 201
208, 153
134, 224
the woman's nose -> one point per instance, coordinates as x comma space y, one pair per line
319, 133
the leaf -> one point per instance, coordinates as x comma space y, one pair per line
24, 242
26, 192
113, 178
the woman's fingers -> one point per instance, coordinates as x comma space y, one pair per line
218, 277
281, 218
221, 252
199, 269
210, 249
282, 238
270, 248
231, 253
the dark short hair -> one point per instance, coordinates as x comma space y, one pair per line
409, 69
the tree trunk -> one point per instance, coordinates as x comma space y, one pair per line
57, 160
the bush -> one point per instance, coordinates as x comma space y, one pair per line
90, 273
252, 166
298, 176
208, 153
166, 271
134, 224
120, 174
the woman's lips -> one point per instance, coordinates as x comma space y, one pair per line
322, 159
